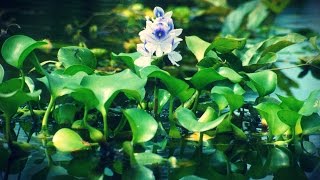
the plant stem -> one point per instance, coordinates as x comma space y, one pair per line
195, 104
156, 99
200, 143
105, 122
85, 116
44, 125
8, 129
23, 79
171, 108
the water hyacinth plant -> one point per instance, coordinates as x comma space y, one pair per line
221, 121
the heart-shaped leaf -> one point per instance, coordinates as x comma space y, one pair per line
290, 103
188, 120
264, 82
230, 74
127, 58
268, 111
234, 100
11, 96
289, 117
65, 113
74, 69
73, 55
142, 124
84, 95
176, 87
278, 157
204, 77
197, 46
16, 48
226, 44
311, 104
67, 140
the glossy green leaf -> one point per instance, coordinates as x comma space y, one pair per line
230, 74
16, 48
67, 140
310, 124
127, 58
74, 69
78, 124
11, 96
311, 104
65, 113
197, 46
289, 117
163, 97
188, 120
95, 134
278, 158
84, 95
235, 101
1, 73
209, 115
148, 158
73, 55
264, 52
105, 88
226, 44
234, 20
268, 111
142, 124
265, 82
58, 83
204, 77
290, 103
176, 87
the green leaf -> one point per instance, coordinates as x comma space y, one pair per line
127, 58
11, 96
204, 77
278, 158
16, 48
67, 140
105, 88
65, 113
226, 44
163, 96
142, 124
95, 134
74, 69
257, 16
176, 87
310, 124
313, 42
84, 95
234, 20
265, 82
197, 46
311, 104
148, 158
138, 173
73, 55
230, 74
289, 117
188, 120
264, 52
58, 83
234, 100
290, 103
268, 111
219, 161
1, 73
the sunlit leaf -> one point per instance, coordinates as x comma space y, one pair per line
127, 58
84, 95
176, 87
268, 111
311, 104
95, 134
163, 96
257, 16
188, 120
142, 124
264, 52
235, 101
148, 158
265, 82
73, 55
67, 140
197, 46
289, 117
226, 44
11, 96
74, 69
310, 124
290, 103
204, 77
230, 74
16, 48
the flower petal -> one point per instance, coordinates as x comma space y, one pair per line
143, 61
174, 57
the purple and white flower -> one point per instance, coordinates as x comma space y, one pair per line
160, 38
